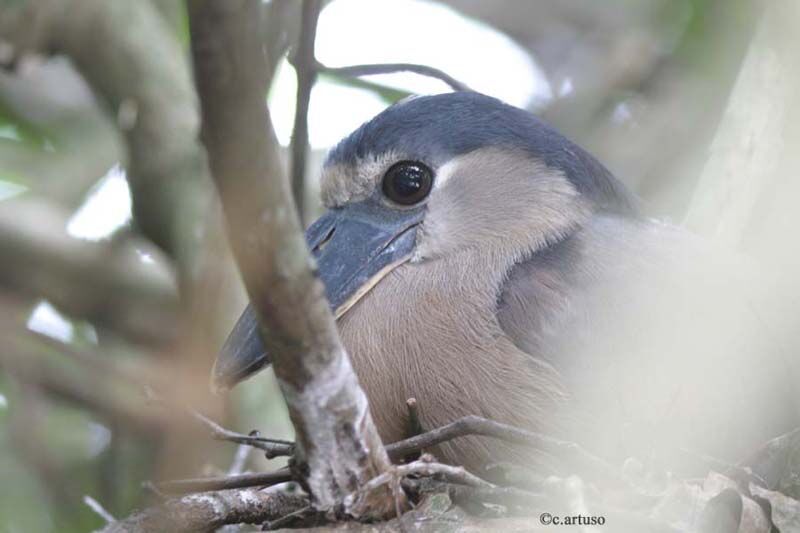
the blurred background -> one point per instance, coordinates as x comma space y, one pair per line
691, 103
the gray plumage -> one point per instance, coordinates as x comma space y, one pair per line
537, 295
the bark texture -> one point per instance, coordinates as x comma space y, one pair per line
207, 511
337, 440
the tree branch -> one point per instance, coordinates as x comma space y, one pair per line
303, 60
103, 282
585, 462
209, 510
105, 394
272, 447
391, 68
263, 479
95, 506
337, 440
589, 465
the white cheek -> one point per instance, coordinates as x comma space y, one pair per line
426, 237
444, 173
429, 244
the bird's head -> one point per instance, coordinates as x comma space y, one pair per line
435, 174
428, 177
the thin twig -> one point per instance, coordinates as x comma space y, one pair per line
304, 63
414, 425
151, 487
271, 447
475, 425
423, 467
265, 479
241, 456
95, 506
452, 474
357, 71
469, 425
287, 519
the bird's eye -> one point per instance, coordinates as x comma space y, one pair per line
407, 182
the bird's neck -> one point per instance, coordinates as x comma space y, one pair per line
429, 331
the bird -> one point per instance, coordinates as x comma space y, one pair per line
482, 263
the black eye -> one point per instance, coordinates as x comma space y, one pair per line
407, 182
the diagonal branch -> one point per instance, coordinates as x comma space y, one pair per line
338, 444
103, 282
356, 71
586, 463
272, 447
262, 479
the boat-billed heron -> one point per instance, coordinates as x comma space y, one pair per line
482, 263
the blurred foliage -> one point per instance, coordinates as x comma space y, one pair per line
14, 129
17, 135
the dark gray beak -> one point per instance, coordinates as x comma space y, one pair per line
355, 247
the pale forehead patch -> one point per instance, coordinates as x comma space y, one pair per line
343, 183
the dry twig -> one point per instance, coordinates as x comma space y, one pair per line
414, 425
95, 506
287, 520
240, 458
471, 425
423, 467
271, 447
585, 462
267, 479
356, 71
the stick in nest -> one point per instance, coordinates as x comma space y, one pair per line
425, 466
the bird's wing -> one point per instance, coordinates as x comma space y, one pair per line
649, 330
537, 298
565, 287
